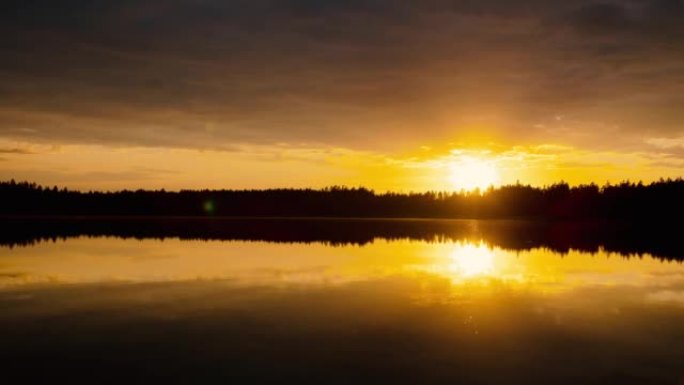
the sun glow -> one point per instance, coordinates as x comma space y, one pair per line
472, 173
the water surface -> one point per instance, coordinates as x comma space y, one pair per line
462, 309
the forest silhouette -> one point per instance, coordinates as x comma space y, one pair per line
661, 199
627, 218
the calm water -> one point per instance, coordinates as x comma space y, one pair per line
384, 311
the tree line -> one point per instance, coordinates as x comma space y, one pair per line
626, 200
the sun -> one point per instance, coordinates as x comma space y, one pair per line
471, 173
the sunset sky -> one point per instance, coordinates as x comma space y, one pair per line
392, 95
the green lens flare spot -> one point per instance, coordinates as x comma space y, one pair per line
209, 207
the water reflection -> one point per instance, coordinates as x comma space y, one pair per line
104, 310
470, 260
656, 238
98, 260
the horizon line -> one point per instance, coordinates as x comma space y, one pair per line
330, 188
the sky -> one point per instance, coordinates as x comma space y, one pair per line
395, 95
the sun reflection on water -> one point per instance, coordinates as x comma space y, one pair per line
470, 260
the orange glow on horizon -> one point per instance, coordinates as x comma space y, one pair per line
95, 167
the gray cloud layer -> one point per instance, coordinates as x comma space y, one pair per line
363, 74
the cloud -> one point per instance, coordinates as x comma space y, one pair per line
374, 74
645, 19
667, 143
14, 151
602, 18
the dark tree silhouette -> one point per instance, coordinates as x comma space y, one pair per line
662, 199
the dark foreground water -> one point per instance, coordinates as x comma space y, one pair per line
411, 302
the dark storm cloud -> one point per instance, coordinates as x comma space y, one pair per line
656, 22
375, 73
601, 17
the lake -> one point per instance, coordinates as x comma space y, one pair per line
340, 301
